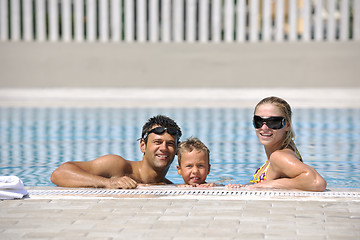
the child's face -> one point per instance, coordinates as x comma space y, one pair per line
194, 167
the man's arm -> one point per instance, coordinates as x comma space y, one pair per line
104, 172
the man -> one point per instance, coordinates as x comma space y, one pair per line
160, 137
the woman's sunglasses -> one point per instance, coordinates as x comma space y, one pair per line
161, 130
271, 122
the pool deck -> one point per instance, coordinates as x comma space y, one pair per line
161, 212
253, 65
309, 97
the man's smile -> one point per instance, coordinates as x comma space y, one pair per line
163, 156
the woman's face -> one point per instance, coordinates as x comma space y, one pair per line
267, 136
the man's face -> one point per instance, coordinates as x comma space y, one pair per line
160, 149
194, 167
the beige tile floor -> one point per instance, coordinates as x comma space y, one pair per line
50, 214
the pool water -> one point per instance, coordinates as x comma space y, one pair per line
34, 141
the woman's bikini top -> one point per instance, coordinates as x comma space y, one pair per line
262, 177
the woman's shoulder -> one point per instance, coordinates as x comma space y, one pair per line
285, 163
283, 156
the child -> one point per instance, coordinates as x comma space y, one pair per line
194, 163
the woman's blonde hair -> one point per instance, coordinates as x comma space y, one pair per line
286, 110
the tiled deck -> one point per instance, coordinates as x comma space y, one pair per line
52, 214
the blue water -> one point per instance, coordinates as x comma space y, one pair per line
34, 141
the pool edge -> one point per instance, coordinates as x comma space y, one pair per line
173, 192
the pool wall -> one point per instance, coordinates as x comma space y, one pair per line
275, 65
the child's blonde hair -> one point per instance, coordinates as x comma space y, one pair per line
191, 144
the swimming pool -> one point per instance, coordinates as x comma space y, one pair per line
34, 141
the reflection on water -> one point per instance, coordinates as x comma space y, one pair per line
34, 141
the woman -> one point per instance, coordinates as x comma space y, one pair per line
284, 168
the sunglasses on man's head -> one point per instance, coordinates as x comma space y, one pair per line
161, 130
271, 122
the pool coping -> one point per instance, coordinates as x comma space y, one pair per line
173, 192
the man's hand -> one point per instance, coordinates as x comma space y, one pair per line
124, 182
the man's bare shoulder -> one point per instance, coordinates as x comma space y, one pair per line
112, 158
114, 165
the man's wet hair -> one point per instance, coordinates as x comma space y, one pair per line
160, 121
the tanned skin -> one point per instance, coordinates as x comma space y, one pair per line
113, 171
285, 170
